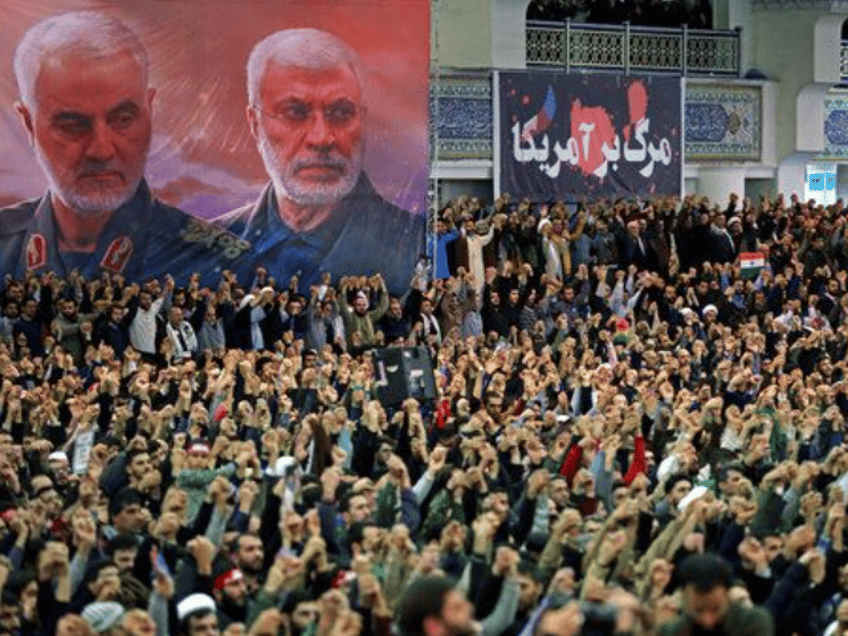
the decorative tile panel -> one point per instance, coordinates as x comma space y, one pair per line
464, 116
836, 127
723, 122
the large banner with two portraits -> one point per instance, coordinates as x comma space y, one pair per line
150, 137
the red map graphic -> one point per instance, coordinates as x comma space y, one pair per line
590, 157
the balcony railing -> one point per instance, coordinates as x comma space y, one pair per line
634, 49
843, 62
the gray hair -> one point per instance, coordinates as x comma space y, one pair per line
299, 48
86, 34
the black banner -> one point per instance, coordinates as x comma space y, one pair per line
569, 136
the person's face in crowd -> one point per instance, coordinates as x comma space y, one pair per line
175, 316
117, 314
371, 537
137, 623
90, 128
13, 309
706, 609
426, 307
497, 502
235, 592
47, 494
619, 495
30, 308
229, 428
494, 404
204, 625
15, 292
60, 468
107, 576
563, 581
139, 466
558, 492
395, 309
130, 519
730, 485
359, 509
251, 554
69, 309
144, 300
529, 590
457, 616
384, 453
680, 490
360, 305
125, 559
495, 299
10, 617
294, 308
29, 598
308, 127
773, 545
303, 614
513, 296
197, 459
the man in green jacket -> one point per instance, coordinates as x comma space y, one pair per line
359, 322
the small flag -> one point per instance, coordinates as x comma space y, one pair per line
830, 181
751, 263
541, 120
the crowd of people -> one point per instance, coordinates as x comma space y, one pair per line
696, 14
634, 431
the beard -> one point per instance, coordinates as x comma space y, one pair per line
235, 610
288, 185
95, 198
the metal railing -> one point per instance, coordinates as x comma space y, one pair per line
622, 47
843, 62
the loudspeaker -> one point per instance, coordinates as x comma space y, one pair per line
403, 372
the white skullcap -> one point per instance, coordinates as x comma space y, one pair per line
193, 604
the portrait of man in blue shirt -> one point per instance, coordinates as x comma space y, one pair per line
320, 212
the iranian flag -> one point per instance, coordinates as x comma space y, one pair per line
751, 263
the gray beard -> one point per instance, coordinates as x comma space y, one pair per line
91, 205
286, 185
